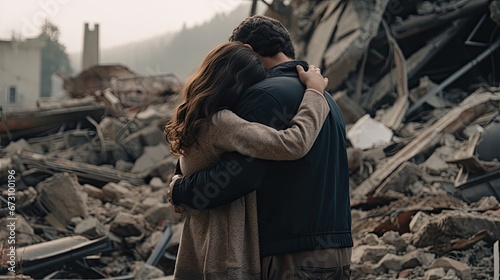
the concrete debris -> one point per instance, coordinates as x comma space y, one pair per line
150, 158
419, 91
114, 191
145, 271
126, 224
62, 199
462, 270
442, 228
91, 228
368, 133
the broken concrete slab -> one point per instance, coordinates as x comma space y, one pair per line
94, 192
393, 238
126, 225
160, 214
19, 145
398, 263
462, 270
435, 273
368, 133
62, 196
123, 165
446, 226
110, 127
371, 239
145, 271
116, 191
150, 158
157, 184
371, 253
401, 179
435, 165
150, 243
90, 227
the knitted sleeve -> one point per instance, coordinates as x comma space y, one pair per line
229, 132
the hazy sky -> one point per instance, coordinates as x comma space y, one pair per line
119, 21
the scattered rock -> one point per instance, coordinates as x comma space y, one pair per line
161, 213
145, 271
372, 253
462, 270
435, 273
114, 191
157, 184
126, 225
62, 196
393, 238
149, 159
450, 225
123, 165
90, 227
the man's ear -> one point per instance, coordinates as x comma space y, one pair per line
248, 46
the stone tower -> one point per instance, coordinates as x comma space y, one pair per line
90, 46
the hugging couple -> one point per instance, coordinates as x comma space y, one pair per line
263, 180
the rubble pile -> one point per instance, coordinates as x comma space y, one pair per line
417, 82
91, 196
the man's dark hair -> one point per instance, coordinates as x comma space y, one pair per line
266, 35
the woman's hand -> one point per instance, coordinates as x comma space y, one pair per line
177, 209
312, 78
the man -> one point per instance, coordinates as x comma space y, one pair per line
303, 205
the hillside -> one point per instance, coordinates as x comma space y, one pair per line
179, 53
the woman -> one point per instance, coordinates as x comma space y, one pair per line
222, 243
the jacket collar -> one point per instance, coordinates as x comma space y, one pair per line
287, 68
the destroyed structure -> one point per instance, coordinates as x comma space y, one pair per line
418, 83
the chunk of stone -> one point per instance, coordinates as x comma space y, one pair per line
151, 156
19, 145
93, 191
462, 270
123, 165
90, 227
435, 273
63, 197
370, 239
371, 253
151, 241
161, 213
397, 263
126, 224
115, 191
145, 271
434, 165
393, 238
157, 184
442, 228
110, 127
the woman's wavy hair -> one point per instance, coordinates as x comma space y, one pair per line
217, 84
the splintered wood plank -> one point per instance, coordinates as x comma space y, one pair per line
323, 33
466, 109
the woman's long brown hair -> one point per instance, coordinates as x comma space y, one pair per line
224, 74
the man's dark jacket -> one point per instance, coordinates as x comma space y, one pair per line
303, 204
